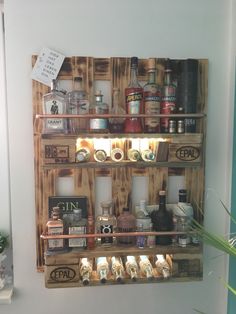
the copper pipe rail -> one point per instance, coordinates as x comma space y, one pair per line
84, 116
116, 234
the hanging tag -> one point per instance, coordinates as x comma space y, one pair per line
47, 66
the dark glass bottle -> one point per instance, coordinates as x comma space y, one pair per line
162, 220
187, 91
134, 100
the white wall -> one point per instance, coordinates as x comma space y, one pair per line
160, 28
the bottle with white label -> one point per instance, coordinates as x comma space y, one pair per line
54, 103
152, 99
78, 225
55, 226
98, 125
117, 268
85, 269
106, 224
146, 267
162, 266
102, 268
77, 103
131, 267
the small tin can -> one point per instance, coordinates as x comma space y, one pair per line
180, 126
172, 126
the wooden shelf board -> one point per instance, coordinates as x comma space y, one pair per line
6, 294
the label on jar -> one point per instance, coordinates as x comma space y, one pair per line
106, 229
79, 242
98, 124
55, 243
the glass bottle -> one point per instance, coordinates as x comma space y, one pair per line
85, 269
142, 216
117, 154
100, 155
133, 154
90, 230
106, 223
55, 226
148, 155
116, 124
98, 125
151, 239
126, 222
140, 239
82, 154
183, 214
131, 267
102, 268
168, 98
78, 225
134, 100
162, 220
146, 267
54, 103
77, 103
117, 268
152, 99
162, 266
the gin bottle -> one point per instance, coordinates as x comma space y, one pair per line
126, 222
162, 266
77, 103
152, 99
131, 267
146, 267
98, 125
102, 268
85, 269
54, 103
134, 155
116, 124
55, 227
78, 225
106, 224
117, 268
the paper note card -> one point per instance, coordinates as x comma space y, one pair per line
47, 66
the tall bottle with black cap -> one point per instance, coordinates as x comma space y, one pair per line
187, 91
162, 220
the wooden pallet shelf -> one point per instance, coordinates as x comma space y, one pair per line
47, 171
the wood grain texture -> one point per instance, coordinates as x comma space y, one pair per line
115, 70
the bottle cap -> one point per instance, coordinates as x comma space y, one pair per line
151, 64
134, 61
